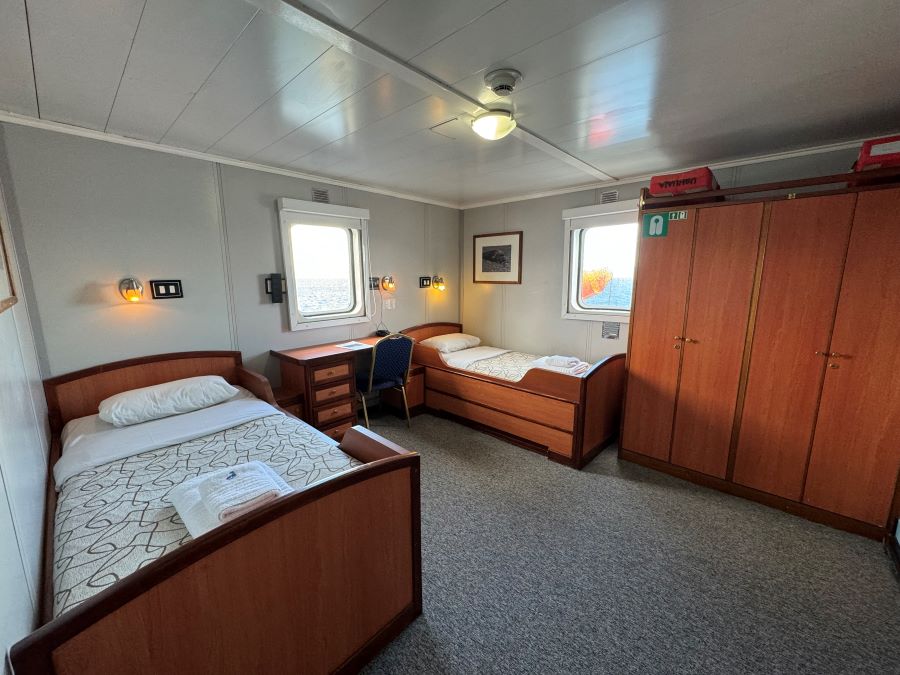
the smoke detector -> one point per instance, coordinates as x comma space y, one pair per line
502, 81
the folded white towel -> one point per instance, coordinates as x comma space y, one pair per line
579, 368
558, 361
231, 493
200, 514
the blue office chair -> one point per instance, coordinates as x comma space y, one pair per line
391, 361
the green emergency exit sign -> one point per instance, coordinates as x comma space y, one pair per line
657, 224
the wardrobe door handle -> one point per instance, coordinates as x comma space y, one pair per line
835, 355
825, 354
691, 341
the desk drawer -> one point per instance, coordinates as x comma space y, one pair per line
323, 394
336, 371
337, 432
333, 412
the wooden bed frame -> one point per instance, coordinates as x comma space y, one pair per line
570, 419
318, 581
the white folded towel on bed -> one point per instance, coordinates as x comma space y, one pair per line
207, 501
558, 361
579, 367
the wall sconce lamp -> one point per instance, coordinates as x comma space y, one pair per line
131, 289
387, 283
438, 283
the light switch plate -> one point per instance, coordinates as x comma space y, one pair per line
166, 289
424, 282
374, 283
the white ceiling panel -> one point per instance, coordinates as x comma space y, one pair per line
345, 12
332, 78
505, 30
80, 48
177, 46
407, 27
16, 78
266, 57
383, 97
630, 87
365, 143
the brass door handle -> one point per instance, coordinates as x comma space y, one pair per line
825, 354
691, 340
833, 365
835, 355
678, 337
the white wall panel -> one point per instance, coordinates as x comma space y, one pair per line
80, 48
16, 77
177, 46
92, 213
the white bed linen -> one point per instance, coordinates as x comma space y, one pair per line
466, 357
89, 441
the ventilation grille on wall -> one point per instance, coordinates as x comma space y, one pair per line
609, 197
320, 195
610, 330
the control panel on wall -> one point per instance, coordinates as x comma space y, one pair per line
166, 289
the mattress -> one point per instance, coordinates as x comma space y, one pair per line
115, 517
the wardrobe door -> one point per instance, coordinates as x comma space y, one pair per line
804, 258
856, 449
724, 267
663, 269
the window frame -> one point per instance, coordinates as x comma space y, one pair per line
356, 223
575, 223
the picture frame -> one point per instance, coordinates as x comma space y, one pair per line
497, 258
7, 289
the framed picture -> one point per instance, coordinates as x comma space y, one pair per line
7, 290
497, 258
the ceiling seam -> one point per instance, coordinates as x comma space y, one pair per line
37, 98
274, 94
365, 126
324, 112
457, 30
211, 72
125, 67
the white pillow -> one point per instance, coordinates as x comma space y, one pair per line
164, 400
452, 342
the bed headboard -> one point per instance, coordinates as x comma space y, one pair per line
427, 330
78, 394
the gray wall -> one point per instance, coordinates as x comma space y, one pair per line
23, 465
527, 317
86, 213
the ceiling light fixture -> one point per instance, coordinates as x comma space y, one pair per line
494, 124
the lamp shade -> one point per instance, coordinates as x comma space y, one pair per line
131, 289
494, 124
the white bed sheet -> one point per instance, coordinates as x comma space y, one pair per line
464, 358
89, 441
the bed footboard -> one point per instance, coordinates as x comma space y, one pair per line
317, 582
604, 387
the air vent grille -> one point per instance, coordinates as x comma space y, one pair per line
320, 195
609, 330
609, 197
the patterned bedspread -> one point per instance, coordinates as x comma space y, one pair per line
116, 518
508, 366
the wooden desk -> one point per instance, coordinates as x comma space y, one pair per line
318, 384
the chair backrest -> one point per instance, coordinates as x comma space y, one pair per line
391, 358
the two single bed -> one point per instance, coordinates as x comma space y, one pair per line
568, 416
316, 581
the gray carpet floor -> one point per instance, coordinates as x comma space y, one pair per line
532, 567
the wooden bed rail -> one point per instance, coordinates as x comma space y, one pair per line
316, 582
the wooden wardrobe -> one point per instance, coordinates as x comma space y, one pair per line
764, 354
